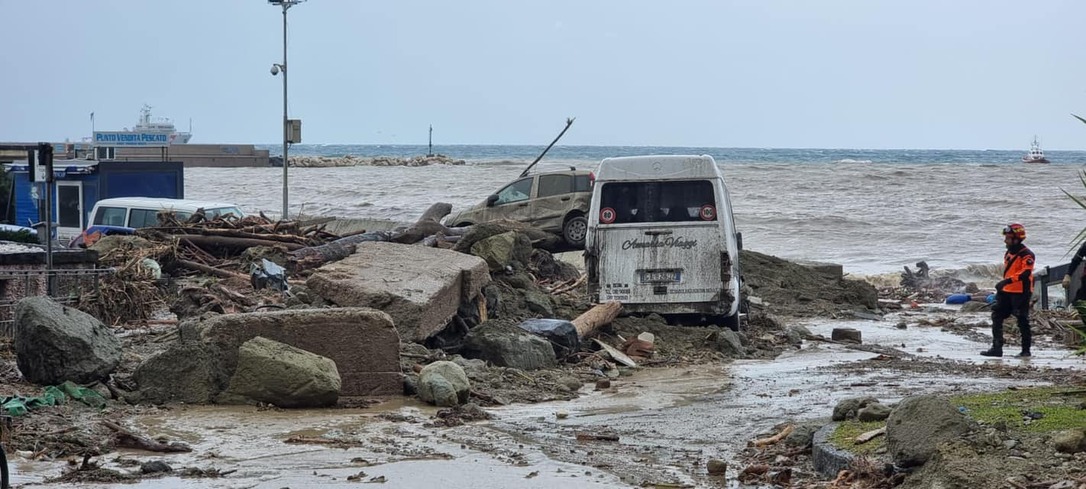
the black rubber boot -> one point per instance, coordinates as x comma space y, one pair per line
1025, 353
992, 352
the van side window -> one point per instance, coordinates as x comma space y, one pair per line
515, 192
675, 201
143, 218
550, 185
110, 216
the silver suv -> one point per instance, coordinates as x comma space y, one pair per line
556, 202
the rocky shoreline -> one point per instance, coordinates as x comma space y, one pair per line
351, 160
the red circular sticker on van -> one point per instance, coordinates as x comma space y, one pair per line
707, 213
607, 215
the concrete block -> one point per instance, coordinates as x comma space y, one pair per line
362, 342
418, 286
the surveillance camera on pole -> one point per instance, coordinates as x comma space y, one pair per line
275, 70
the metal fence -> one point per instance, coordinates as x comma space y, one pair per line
65, 286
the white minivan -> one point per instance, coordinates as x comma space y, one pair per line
123, 215
661, 238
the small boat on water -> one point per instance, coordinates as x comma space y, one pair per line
1036, 154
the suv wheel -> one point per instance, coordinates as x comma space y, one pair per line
574, 231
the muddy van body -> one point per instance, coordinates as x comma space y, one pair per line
661, 238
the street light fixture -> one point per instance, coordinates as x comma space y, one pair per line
275, 69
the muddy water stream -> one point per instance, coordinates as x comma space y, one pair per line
669, 422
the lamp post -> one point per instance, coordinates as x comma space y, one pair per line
275, 69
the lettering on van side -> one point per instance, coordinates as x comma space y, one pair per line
668, 242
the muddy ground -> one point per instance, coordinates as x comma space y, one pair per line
588, 423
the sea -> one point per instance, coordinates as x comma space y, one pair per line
872, 211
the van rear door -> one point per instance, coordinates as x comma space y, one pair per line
659, 242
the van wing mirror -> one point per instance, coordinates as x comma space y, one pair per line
739, 240
491, 200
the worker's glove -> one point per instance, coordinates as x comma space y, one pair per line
1066, 281
1002, 283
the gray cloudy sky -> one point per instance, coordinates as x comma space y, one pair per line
761, 73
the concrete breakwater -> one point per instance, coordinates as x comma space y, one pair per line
351, 160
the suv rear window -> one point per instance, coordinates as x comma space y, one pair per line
679, 201
550, 185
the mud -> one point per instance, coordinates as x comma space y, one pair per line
700, 396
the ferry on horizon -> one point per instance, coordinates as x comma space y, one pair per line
155, 125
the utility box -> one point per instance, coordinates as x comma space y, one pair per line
294, 131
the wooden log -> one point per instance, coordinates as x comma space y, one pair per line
315, 256
197, 267
428, 224
866, 437
128, 439
231, 242
761, 442
599, 315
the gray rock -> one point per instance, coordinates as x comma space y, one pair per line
975, 306
497, 250
539, 303
155, 467
802, 435
1070, 441
729, 343
717, 467
873, 412
276, 373
847, 409
506, 345
182, 373
444, 384
55, 343
918, 425
421, 288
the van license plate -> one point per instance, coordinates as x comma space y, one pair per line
660, 276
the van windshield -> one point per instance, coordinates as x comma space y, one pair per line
222, 211
647, 201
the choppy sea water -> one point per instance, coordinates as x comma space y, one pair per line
873, 211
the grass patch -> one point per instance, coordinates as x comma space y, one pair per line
844, 437
1059, 408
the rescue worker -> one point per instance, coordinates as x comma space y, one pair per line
1013, 293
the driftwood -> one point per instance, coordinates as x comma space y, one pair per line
232, 242
761, 442
870, 435
199, 267
428, 224
128, 439
599, 315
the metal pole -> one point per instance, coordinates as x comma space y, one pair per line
286, 159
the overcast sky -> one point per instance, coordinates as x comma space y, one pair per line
978, 74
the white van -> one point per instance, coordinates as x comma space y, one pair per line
661, 238
123, 215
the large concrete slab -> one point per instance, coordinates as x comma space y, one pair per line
419, 286
363, 342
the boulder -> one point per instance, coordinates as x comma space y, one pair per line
362, 342
538, 302
444, 384
419, 287
1070, 441
506, 345
847, 408
846, 334
497, 250
873, 412
918, 425
185, 372
802, 435
275, 373
55, 343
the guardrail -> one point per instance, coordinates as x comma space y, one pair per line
68, 286
1050, 275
